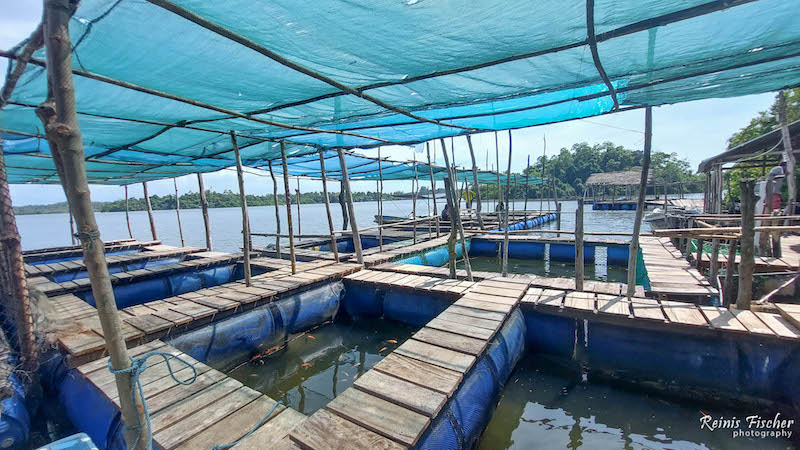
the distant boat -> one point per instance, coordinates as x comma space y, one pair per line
387, 219
656, 219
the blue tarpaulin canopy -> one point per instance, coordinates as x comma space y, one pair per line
160, 84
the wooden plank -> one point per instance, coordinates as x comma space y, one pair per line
790, 312
484, 305
683, 313
269, 434
492, 290
102, 363
219, 303
450, 316
403, 393
194, 310
721, 318
383, 417
490, 298
648, 310
615, 305
439, 356
236, 425
551, 298
477, 313
149, 323
327, 431
583, 301
184, 408
779, 325
463, 329
166, 391
420, 373
452, 341
752, 322
173, 316
203, 418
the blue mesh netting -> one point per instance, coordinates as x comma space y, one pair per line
477, 72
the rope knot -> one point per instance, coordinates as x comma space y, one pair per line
88, 237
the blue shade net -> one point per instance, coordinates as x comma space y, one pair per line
446, 68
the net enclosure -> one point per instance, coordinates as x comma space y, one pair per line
160, 84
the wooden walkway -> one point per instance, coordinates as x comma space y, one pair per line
31, 256
80, 335
669, 272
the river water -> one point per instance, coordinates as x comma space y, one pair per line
52, 230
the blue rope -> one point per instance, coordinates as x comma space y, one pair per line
138, 366
223, 447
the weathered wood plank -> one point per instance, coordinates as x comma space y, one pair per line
269, 434
721, 318
615, 305
487, 306
752, 322
477, 313
400, 392
420, 373
648, 310
462, 329
442, 357
683, 313
452, 341
327, 431
779, 325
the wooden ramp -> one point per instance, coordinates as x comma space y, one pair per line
670, 274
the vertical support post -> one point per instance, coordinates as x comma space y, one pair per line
204, 205
288, 195
479, 205
788, 154
297, 191
71, 228
714, 264
497, 158
127, 214
527, 178
277, 211
699, 258
455, 219
451, 240
351, 208
380, 201
747, 262
334, 248
687, 252
414, 187
433, 190
579, 247
730, 265
178, 211
505, 224
633, 252
558, 218
149, 211
59, 116
343, 204
14, 286
245, 218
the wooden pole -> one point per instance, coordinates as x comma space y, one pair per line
497, 158
788, 154
178, 211
204, 205
505, 221
149, 211
433, 189
127, 215
351, 208
380, 201
334, 248
747, 262
579, 247
60, 119
297, 191
72, 229
455, 218
277, 211
343, 204
414, 187
245, 218
479, 205
288, 195
633, 252
527, 178
730, 265
714, 264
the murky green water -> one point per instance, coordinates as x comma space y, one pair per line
548, 268
547, 407
317, 366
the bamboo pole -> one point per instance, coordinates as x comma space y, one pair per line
433, 189
633, 252
297, 191
245, 218
288, 194
527, 178
505, 224
127, 216
747, 261
479, 205
60, 119
149, 211
334, 247
414, 187
178, 211
351, 208
788, 154
380, 201
497, 158
277, 211
204, 205
579, 247
14, 285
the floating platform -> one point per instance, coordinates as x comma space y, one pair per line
670, 274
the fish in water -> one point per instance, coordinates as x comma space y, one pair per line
306, 365
381, 350
392, 341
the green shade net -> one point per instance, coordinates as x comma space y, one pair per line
467, 66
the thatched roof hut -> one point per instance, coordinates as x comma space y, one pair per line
625, 178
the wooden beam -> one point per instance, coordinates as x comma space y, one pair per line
149, 211
245, 218
414, 187
277, 211
334, 247
288, 195
455, 217
204, 205
633, 252
433, 189
351, 208
297, 191
380, 201
60, 119
747, 262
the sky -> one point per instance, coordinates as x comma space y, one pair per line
694, 131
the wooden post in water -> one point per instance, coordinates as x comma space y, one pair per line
433, 189
505, 222
633, 251
334, 248
380, 201
288, 195
297, 191
579, 247
730, 265
747, 262
149, 211
178, 211
127, 214
699, 258
343, 204
245, 218
451, 240
351, 208
714, 264
479, 205
497, 158
277, 211
204, 205
527, 178
414, 187
558, 218
59, 116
